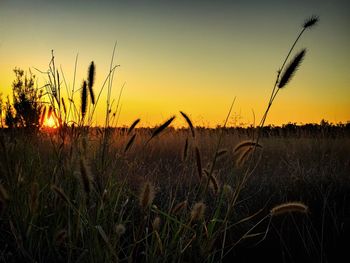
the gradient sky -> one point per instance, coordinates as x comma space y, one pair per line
194, 56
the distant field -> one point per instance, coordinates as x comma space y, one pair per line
97, 196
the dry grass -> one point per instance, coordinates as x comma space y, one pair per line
313, 170
115, 215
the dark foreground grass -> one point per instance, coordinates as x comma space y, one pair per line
76, 200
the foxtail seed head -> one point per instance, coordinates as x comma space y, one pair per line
83, 99
146, 195
120, 229
291, 69
289, 207
310, 22
197, 211
156, 224
91, 80
85, 176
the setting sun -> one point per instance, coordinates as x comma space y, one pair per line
50, 122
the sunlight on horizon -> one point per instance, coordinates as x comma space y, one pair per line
50, 123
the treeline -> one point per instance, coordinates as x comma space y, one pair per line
324, 129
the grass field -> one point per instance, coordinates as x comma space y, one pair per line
83, 200
76, 192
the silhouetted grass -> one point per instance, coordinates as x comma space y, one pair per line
84, 194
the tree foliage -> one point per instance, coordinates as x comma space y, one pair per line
24, 112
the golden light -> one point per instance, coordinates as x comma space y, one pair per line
50, 122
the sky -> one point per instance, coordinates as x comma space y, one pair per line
193, 56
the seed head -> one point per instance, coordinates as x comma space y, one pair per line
228, 192
310, 22
289, 207
91, 79
120, 229
85, 176
156, 224
291, 69
146, 195
197, 212
189, 122
83, 99
214, 184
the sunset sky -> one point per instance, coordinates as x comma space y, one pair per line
193, 56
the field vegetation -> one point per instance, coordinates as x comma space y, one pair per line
73, 192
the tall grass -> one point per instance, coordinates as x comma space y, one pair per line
87, 194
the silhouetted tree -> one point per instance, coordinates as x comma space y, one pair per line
10, 119
26, 108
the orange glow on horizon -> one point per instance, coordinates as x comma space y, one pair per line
50, 123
